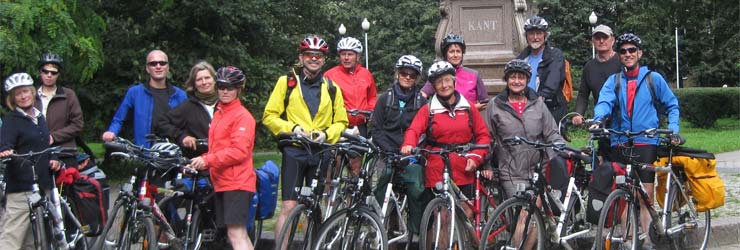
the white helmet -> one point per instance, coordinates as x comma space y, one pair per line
440, 68
349, 43
18, 80
410, 61
167, 149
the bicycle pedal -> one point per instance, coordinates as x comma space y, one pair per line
691, 225
209, 235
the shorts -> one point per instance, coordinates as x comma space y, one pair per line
232, 206
642, 154
299, 168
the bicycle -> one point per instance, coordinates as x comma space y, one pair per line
394, 208
448, 204
530, 206
48, 213
670, 222
357, 226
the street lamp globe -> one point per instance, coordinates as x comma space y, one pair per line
365, 25
342, 29
592, 18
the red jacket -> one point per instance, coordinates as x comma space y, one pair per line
358, 90
449, 130
230, 147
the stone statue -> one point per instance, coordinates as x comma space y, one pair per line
520, 16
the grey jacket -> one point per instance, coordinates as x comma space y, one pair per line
517, 162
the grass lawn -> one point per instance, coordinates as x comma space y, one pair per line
722, 138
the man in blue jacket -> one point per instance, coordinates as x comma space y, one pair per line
147, 100
627, 99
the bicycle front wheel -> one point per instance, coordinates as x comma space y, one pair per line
142, 235
618, 223
515, 224
112, 236
41, 230
352, 229
436, 231
299, 229
697, 225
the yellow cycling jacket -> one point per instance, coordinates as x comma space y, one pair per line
297, 111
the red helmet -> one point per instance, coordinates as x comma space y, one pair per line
313, 42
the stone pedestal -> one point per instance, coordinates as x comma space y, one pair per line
490, 33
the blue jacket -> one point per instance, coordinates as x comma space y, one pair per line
644, 114
141, 101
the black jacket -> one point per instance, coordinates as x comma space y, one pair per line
190, 118
551, 72
22, 135
390, 121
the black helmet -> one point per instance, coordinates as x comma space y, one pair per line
452, 39
440, 68
51, 58
409, 61
629, 38
517, 65
230, 75
535, 23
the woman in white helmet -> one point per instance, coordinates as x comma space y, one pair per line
24, 130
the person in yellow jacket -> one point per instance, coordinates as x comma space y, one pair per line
308, 110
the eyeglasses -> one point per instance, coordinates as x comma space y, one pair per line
407, 75
225, 87
47, 72
623, 51
313, 56
446, 80
154, 63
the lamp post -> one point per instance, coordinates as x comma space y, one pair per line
592, 19
365, 27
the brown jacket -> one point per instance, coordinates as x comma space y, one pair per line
63, 117
517, 162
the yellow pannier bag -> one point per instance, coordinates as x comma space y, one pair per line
704, 183
660, 186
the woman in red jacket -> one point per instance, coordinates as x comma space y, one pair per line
448, 119
229, 157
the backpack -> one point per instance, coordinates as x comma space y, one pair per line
601, 185
268, 177
292, 82
86, 197
568, 83
96, 173
656, 103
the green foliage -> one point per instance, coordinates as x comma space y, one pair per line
708, 37
703, 106
69, 28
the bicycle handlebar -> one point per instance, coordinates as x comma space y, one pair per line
457, 149
560, 147
356, 112
56, 150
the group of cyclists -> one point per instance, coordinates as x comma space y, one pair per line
451, 109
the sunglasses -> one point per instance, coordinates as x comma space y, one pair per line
313, 56
632, 50
407, 75
154, 63
47, 72
225, 87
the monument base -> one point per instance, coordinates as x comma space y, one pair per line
490, 65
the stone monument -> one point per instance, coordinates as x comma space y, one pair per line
493, 32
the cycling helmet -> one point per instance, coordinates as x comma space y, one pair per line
440, 68
230, 75
410, 61
629, 38
535, 23
452, 39
167, 149
51, 58
517, 65
349, 43
313, 42
18, 80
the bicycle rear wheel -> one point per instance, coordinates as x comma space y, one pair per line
352, 229
299, 229
204, 232
611, 232
515, 224
695, 235
436, 230
142, 234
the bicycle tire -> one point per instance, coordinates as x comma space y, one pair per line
298, 223
427, 220
40, 230
617, 233
142, 235
204, 227
499, 230
680, 215
363, 220
115, 229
